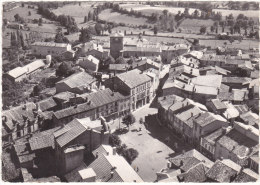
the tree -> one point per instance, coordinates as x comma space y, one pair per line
130, 155
203, 29
64, 69
196, 13
40, 22
155, 30
165, 12
85, 19
60, 38
212, 28
186, 12
109, 28
231, 40
85, 35
17, 17
22, 40
107, 61
120, 60
36, 90
98, 28
114, 140
245, 6
89, 15
128, 120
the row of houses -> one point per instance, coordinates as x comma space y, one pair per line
192, 166
212, 134
70, 144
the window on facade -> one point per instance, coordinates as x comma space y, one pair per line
49, 51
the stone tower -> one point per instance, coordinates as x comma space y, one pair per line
116, 44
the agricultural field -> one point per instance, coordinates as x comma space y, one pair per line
148, 10
244, 44
193, 25
108, 15
78, 12
23, 12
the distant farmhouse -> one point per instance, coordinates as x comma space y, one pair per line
19, 73
49, 48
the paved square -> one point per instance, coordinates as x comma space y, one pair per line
153, 153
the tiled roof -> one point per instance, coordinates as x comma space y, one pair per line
167, 101
214, 136
43, 139
78, 79
134, 78
242, 108
239, 94
190, 159
65, 96
117, 35
90, 58
237, 143
254, 74
49, 44
218, 104
231, 111
210, 81
123, 172
250, 118
221, 70
207, 118
205, 90
24, 152
239, 80
34, 65
18, 114
16, 72
223, 170
196, 173
246, 175
74, 176
95, 99
118, 67
142, 49
47, 104
72, 130
103, 149
185, 115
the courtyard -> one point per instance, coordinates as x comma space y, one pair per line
150, 142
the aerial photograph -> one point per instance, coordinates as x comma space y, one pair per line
130, 91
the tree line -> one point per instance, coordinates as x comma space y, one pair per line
65, 20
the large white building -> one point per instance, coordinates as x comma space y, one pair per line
49, 48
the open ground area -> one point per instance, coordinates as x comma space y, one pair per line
150, 143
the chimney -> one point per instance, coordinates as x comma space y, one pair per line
75, 106
191, 114
96, 154
112, 174
107, 153
24, 107
169, 164
223, 130
114, 150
